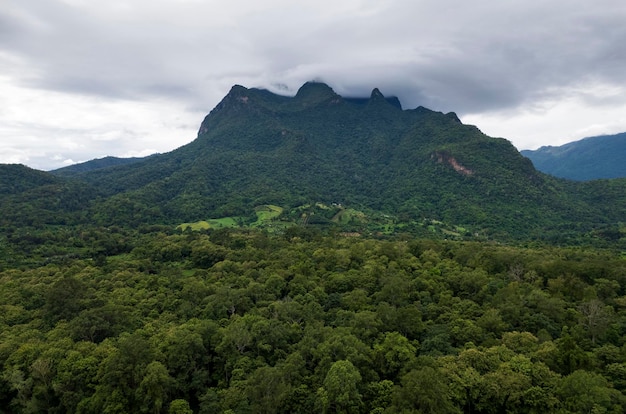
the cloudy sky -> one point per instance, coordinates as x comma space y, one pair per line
82, 79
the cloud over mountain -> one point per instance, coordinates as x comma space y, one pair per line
515, 69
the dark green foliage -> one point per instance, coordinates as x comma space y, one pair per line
65, 299
17, 178
31, 198
425, 390
239, 321
95, 164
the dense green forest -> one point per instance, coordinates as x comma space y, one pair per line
155, 320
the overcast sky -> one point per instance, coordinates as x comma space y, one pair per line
83, 79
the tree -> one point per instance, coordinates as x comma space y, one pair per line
425, 390
65, 299
341, 345
518, 385
205, 254
520, 342
394, 355
76, 375
122, 373
379, 396
154, 387
186, 356
569, 357
340, 393
596, 317
180, 407
588, 392
266, 390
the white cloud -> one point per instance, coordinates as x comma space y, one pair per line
554, 121
83, 79
43, 128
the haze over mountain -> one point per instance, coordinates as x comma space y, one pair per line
397, 168
587, 159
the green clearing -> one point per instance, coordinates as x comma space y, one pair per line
267, 218
265, 214
349, 215
224, 222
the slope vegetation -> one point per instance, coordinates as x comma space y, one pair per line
400, 170
588, 159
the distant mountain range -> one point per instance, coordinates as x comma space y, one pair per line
363, 165
95, 164
588, 159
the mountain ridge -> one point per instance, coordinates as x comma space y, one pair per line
257, 148
598, 157
96, 164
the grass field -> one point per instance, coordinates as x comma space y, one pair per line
220, 223
267, 212
348, 215
265, 215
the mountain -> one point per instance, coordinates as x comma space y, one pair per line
111, 302
95, 164
357, 164
17, 178
30, 197
588, 159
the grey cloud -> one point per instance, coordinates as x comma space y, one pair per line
469, 66
453, 55
465, 57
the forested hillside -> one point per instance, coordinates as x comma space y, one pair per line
242, 322
588, 159
397, 170
96, 164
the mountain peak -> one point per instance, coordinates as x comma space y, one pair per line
314, 87
237, 89
376, 94
237, 99
376, 97
237, 94
316, 92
